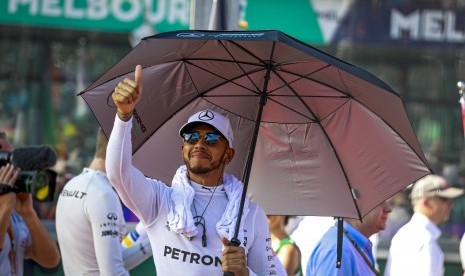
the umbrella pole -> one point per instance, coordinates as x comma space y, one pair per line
248, 166
235, 241
340, 228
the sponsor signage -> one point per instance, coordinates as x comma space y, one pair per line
429, 25
312, 21
100, 15
403, 25
336, 21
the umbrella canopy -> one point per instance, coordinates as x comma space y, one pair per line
320, 136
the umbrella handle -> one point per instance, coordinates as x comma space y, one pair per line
233, 242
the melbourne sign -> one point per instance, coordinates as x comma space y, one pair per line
427, 25
102, 15
403, 24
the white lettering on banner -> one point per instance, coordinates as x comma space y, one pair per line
73, 12
173, 11
400, 23
97, 9
126, 16
33, 6
157, 16
453, 35
50, 8
426, 25
432, 28
179, 10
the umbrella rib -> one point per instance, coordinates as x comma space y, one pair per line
308, 96
239, 64
225, 79
224, 60
293, 110
348, 96
388, 124
329, 140
264, 63
308, 78
279, 76
343, 92
261, 63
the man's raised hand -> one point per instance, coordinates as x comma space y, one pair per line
127, 94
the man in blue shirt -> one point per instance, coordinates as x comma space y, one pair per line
357, 254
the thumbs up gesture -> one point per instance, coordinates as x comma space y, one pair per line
127, 94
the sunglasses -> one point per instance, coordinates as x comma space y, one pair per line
193, 138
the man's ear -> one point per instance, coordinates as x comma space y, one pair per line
229, 155
426, 202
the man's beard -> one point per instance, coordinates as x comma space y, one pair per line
202, 169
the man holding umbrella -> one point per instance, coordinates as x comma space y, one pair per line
357, 252
191, 222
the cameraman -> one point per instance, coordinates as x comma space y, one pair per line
22, 234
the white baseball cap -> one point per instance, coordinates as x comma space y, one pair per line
434, 186
214, 119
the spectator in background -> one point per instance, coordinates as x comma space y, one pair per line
286, 249
462, 252
414, 248
357, 252
400, 215
89, 221
308, 232
22, 235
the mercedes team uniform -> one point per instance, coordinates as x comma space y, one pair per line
174, 253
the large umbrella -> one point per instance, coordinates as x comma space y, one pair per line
314, 135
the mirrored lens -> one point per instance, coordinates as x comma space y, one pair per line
193, 138
211, 138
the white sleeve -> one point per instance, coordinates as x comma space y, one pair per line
137, 254
105, 214
462, 251
260, 260
5, 264
140, 194
139, 250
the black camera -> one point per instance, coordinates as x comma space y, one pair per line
35, 177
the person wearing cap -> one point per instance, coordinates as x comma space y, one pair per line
414, 248
190, 223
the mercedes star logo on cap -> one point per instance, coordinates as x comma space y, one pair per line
206, 115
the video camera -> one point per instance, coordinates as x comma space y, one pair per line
35, 177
